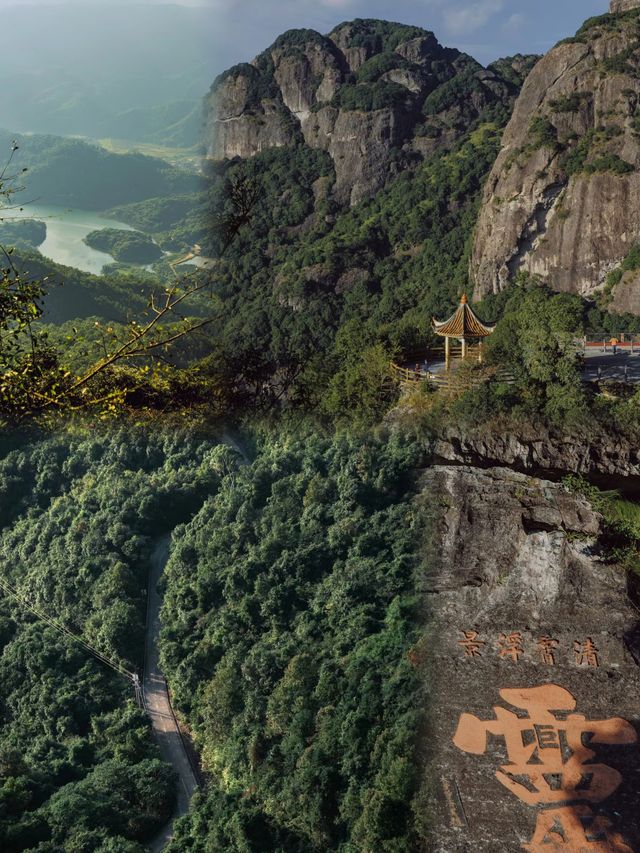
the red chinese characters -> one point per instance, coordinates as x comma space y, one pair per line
550, 764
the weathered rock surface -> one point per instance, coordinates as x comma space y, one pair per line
517, 569
367, 90
625, 298
623, 5
563, 199
359, 144
540, 451
242, 123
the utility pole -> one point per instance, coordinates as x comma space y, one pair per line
137, 686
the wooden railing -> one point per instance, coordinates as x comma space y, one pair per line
405, 374
437, 354
451, 381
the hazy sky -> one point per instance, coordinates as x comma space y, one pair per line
486, 29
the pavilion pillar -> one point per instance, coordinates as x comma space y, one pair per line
447, 358
464, 348
480, 353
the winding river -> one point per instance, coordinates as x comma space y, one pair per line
66, 229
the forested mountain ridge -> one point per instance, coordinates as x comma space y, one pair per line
76, 173
371, 93
371, 233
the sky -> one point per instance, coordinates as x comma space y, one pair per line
487, 29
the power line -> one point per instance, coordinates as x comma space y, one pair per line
118, 667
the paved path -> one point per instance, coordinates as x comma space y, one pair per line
165, 729
611, 366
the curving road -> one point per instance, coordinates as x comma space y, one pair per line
165, 728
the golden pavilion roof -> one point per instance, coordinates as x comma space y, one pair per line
463, 324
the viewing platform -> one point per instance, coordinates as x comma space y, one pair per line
615, 360
458, 364
463, 335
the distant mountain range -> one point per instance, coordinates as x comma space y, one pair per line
74, 173
131, 72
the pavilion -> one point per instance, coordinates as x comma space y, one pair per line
463, 326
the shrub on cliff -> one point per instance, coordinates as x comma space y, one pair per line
369, 97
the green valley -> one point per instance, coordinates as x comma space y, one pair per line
77, 173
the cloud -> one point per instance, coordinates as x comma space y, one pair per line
471, 17
514, 24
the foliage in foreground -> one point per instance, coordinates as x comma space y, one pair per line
290, 631
536, 338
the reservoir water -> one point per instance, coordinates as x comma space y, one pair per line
66, 229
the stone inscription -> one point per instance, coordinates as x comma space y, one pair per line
511, 647
550, 765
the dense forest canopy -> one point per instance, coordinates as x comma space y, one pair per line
78, 518
318, 589
292, 640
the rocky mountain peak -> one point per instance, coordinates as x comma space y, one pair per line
370, 93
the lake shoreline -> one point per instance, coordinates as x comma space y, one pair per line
66, 231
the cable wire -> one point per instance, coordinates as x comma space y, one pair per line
67, 632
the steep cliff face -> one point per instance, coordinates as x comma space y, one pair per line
369, 93
563, 199
248, 115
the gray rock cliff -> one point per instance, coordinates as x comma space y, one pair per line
563, 199
623, 5
524, 607
539, 451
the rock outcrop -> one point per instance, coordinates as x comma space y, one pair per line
563, 199
541, 452
623, 5
528, 624
245, 122
368, 93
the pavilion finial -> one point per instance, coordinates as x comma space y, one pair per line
463, 299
